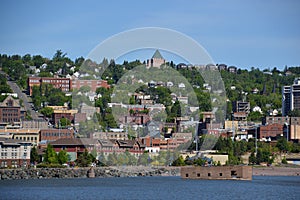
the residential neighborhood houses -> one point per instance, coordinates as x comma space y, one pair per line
156, 119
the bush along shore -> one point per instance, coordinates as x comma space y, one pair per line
101, 172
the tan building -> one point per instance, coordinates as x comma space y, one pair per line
294, 129
28, 135
14, 153
110, 135
62, 112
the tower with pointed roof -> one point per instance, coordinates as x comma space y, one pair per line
156, 61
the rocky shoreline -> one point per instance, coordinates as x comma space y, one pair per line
101, 172
123, 171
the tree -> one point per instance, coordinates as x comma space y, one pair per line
64, 122
34, 157
179, 161
282, 145
50, 155
47, 111
176, 109
85, 159
252, 158
62, 157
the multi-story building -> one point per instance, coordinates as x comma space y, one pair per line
55, 134
241, 106
62, 112
32, 124
291, 126
156, 61
286, 100
109, 135
65, 84
11, 111
270, 131
14, 153
291, 97
93, 84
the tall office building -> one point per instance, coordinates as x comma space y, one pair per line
291, 97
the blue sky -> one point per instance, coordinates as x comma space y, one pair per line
247, 34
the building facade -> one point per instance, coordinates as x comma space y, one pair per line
291, 97
93, 84
14, 153
55, 134
10, 111
65, 84
156, 61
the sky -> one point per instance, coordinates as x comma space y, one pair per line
261, 34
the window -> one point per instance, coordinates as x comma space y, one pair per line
186, 175
220, 174
198, 174
208, 174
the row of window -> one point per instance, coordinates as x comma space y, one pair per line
27, 138
13, 154
10, 114
10, 110
55, 134
10, 119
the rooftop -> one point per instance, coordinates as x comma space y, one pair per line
157, 55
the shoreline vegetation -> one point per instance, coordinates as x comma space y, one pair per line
125, 171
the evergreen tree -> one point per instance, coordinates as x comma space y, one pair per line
34, 157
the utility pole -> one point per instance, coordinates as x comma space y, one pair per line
255, 140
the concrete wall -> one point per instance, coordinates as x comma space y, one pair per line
223, 172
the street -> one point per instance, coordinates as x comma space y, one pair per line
27, 105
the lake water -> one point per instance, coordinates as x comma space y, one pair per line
261, 187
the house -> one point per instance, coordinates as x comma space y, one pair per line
232, 69
135, 147
14, 153
75, 146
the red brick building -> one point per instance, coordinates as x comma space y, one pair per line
10, 111
93, 84
55, 134
65, 84
270, 130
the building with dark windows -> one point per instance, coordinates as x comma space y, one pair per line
65, 84
11, 111
291, 97
14, 153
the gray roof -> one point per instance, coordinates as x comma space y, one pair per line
157, 55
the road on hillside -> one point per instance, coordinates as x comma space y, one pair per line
27, 105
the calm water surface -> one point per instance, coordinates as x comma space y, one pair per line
261, 187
